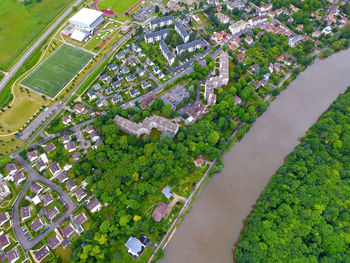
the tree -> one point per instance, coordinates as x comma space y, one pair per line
156, 9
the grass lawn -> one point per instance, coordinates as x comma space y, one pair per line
21, 24
57, 70
118, 6
9, 144
23, 108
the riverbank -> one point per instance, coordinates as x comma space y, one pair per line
216, 219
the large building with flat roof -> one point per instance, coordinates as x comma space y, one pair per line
87, 19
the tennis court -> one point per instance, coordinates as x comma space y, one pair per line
57, 70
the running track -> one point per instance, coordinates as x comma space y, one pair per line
95, 4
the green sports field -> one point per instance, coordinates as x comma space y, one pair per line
57, 70
118, 6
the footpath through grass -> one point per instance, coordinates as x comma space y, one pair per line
57, 70
21, 24
118, 6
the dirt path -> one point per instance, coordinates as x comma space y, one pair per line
173, 202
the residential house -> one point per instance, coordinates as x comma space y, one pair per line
71, 185
102, 103
96, 86
146, 85
32, 155
116, 84
47, 199
54, 242
117, 98
40, 165
266, 8
4, 242
65, 139
25, 213
249, 40
80, 194
223, 19
237, 100
94, 205
112, 67
54, 169
91, 94
80, 219
36, 225
18, 178
66, 119
149, 62
42, 253
50, 147
134, 93
167, 192
36, 188
131, 78
235, 4
258, 20
52, 213
136, 48
76, 157
68, 231
238, 26
94, 136
63, 176
70, 147
135, 247
105, 78
140, 71
13, 255
11, 169
160, 212
241, 57
120, 55
79, 109
199, 161
4, 218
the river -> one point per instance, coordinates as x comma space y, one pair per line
213, 225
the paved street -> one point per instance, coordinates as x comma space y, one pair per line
34, 176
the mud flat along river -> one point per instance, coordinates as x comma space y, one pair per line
213, 225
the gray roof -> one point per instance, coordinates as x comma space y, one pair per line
166, 52
182, 30
167, 192
188, 45
134, 245
161, 19
157, 33
42, 253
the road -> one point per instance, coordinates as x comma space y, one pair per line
34, 176
19, 63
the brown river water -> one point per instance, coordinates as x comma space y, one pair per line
213, 225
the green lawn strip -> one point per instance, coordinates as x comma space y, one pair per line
119, 7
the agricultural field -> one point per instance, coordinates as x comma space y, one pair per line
119, 7
57, 70
22, 23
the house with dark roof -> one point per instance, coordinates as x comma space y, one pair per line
47, 199
32, 155
68, 231
70, 147
25, 213
147, 100
4, 217
182, 31
18, 178
36, 188
89, 129
4, 242
66, 120
36, 225
146, 85
42, 253
62, 177
156, 36
40, 165
94, 205
11, 168
76, 156
80, 194
52, 213
166, 52
54, 169
117, 98
71, 185
13, 255
80, 219
65, 139
54, 242
91, 94
160, 212
50, 147
135, 247
94, 136
161, 22
190, 47
105, 77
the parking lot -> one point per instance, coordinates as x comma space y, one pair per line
144, 13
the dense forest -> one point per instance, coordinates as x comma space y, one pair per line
304, 213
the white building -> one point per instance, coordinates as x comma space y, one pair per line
238, 26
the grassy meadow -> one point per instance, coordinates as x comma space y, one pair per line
117, 6
21, 24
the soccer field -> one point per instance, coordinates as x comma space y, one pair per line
57, 70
